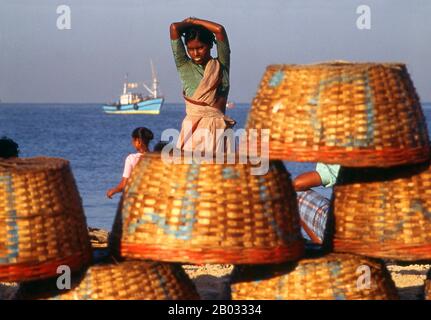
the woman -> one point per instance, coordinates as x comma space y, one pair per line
205, 82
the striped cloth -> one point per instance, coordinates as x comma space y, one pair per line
313, 210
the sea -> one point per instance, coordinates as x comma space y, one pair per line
96, 144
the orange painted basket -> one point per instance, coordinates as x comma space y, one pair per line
384, 212
130, 280
353, 114
208, 213
42, 222
330, 277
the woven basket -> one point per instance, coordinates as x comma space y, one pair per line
332, 277
42, 223
207, 213
384, 213
353, 114
130, 280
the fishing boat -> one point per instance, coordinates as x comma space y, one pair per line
137, 103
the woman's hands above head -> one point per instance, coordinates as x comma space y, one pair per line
177, 28
190, 20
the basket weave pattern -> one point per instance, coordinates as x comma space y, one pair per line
208, 213
333, 277
42, 223
130, 280
356, 115
386, 216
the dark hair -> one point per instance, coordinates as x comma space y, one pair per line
8, 148
199, 33
143, 134
160, 145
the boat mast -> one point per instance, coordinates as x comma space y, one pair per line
155, 82
125, 84
154, 91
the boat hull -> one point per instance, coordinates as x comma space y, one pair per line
151, 106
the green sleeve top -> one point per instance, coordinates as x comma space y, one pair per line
191, 73
328, 173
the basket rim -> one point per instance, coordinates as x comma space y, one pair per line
338, 64
33, 164
239, 255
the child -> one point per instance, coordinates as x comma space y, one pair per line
205, 81
8, 148
141, 138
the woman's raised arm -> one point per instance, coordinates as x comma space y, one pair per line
177, 28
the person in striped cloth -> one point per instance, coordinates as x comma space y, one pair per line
314, 207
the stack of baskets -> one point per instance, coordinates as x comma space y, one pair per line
367, 118
44, 239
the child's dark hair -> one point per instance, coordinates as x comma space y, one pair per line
160, 145
199, 33
143, 134
8, 148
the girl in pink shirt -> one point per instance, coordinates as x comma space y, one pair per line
141, 138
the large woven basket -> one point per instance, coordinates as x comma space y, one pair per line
353, 114
130, 280
207, 213
384, 213
42, 223
331, 277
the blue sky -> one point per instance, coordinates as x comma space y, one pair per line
39, 63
